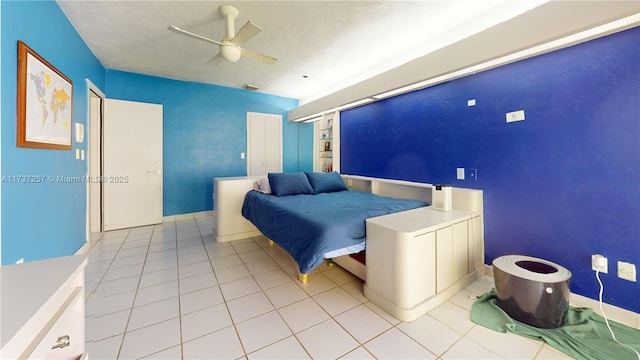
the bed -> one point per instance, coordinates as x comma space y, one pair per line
318, 220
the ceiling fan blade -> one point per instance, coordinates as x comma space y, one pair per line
216, 60
248, 31
177, 30
260, 57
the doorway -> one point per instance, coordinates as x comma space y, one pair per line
94, 154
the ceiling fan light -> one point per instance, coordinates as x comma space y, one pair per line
230, 53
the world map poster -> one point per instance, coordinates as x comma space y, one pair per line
47, 104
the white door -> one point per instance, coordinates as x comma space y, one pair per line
95, 163
264, 144
132, 164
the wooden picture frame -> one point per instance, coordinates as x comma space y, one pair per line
44, 103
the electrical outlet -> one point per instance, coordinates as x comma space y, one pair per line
599, 263
20, 261
515, 116
626, 271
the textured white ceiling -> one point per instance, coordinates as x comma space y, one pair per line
333, 43
322, 47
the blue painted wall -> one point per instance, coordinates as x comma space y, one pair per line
305, 148
561, 185
204, 132
42, 220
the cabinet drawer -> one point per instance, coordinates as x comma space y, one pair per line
68, 321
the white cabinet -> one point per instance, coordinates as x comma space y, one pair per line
62, 341
399, 266
43, 306
264, 143
228, 197
452, 254
417, 258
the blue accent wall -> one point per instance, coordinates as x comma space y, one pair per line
42, 220
561, 185
204, 132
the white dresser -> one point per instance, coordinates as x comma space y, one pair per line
42, 309
417, 259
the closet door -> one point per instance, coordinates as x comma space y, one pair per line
256, 144
264, 143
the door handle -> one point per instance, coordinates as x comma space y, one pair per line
62, 342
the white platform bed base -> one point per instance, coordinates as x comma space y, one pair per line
352, 265
403, 302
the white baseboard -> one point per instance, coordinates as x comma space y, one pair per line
187, 216
614, 313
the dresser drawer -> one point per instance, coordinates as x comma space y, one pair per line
64, 334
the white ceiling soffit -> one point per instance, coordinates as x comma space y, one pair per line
547, 22
437, 30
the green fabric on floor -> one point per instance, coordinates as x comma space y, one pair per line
583, 336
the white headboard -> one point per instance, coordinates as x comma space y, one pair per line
229, 193
462, 198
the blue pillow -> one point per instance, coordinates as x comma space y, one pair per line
326, 182
289, 184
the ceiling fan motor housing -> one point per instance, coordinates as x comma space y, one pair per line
230, 52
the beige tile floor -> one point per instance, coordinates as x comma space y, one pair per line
170, 291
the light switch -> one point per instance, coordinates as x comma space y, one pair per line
77, 154
460, 173
82, 154
626, 271
241, 155
473, 174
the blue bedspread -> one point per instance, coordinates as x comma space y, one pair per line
307, 226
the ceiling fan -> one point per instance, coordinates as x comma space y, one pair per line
230, 45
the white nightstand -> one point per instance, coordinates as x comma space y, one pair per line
418, 258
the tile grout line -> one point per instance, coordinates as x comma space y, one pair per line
332, 317
99, 282
149, 325
179, 295
124, 334
311, 297
226, 304
275, 308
